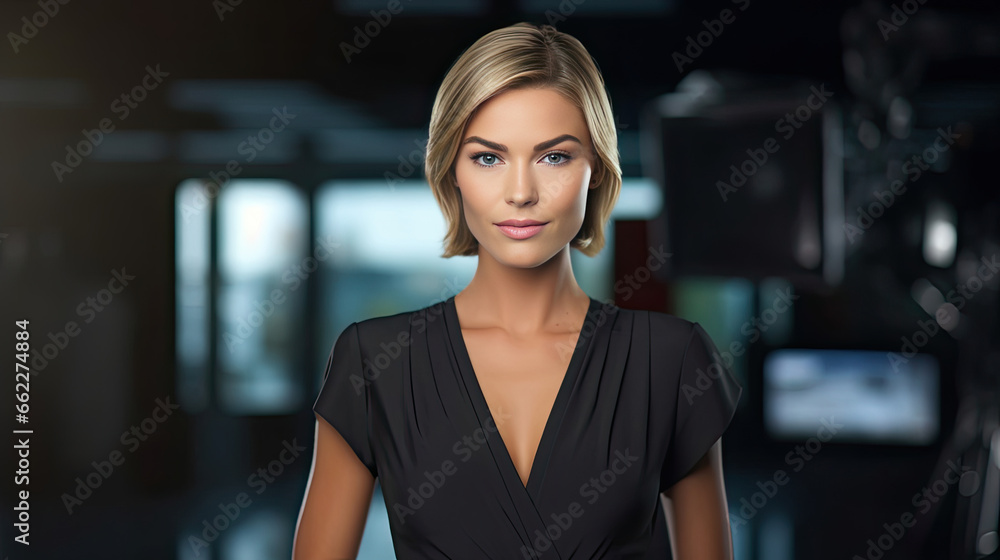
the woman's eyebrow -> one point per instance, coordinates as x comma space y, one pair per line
538, 147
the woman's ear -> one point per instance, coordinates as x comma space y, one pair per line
596, 167
595, 174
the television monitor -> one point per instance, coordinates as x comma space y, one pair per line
872, 396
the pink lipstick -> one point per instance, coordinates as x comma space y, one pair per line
520, 229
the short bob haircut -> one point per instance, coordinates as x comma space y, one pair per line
522, 56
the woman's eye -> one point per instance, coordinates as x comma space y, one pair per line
482, 161
487, 159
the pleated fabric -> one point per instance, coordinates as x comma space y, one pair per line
644, 397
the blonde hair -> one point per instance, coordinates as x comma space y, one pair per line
522, 56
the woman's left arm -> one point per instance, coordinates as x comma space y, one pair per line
697, 512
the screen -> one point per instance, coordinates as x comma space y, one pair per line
872, 396
748, 188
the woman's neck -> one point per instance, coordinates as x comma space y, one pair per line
523, 301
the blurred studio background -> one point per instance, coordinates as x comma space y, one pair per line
197, 196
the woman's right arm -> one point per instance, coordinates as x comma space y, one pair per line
335, 507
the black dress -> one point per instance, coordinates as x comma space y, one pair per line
644, 397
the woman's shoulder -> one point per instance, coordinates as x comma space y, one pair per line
660, 324
398, 325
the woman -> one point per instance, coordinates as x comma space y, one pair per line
521, 418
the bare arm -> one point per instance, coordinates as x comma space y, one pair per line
697, 511
337, 498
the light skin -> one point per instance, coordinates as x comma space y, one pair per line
525, 154
338, 495
697, 511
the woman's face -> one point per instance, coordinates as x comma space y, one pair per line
526, 155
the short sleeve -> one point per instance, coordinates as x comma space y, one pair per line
344, 399
707, 394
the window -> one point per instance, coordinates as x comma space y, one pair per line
261, 268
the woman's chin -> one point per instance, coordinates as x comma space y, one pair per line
523, 256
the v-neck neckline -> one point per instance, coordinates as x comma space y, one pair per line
546, 443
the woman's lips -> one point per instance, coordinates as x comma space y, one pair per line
520, 232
